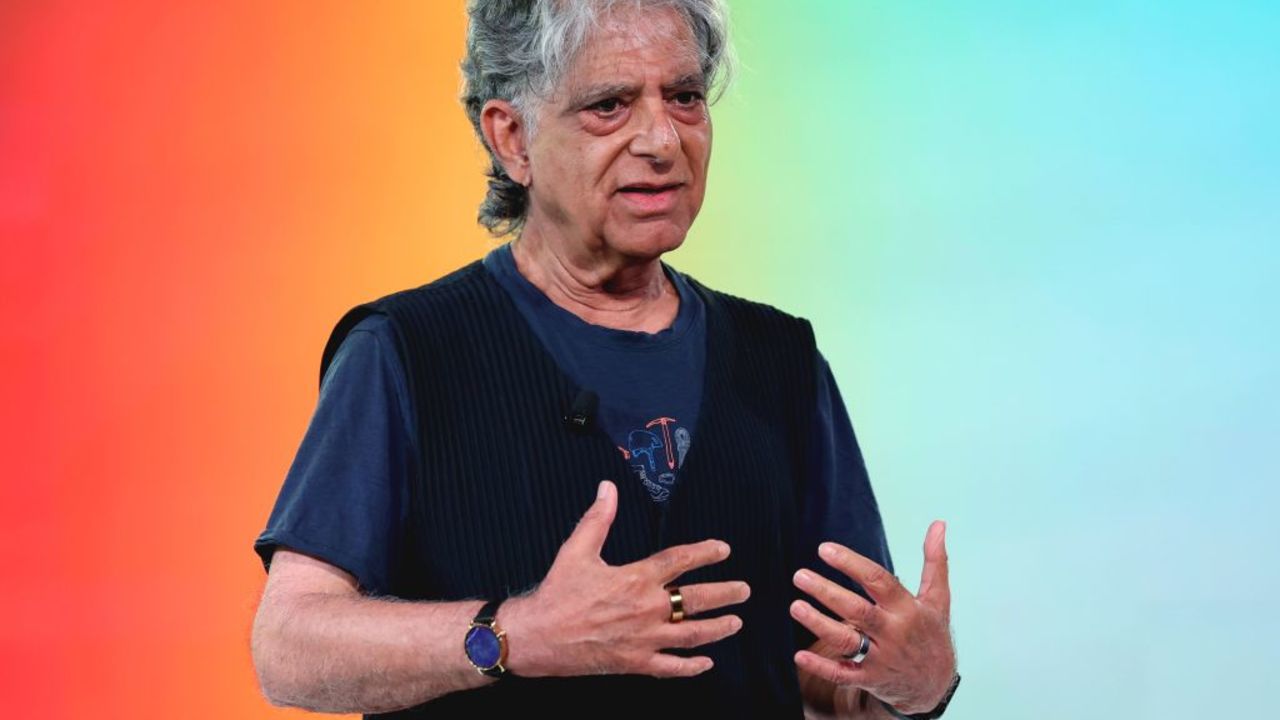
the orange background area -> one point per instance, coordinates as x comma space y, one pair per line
190, 196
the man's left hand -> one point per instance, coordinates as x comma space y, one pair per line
911, 661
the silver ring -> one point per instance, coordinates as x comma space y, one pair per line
861, 653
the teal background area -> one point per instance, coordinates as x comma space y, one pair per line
1037, 242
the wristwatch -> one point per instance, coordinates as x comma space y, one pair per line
486, 643
936, 712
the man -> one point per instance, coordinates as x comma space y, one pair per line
464, 426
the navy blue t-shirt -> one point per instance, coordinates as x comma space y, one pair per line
649, 384
344, 498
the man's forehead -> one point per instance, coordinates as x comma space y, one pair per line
623, 48
627, 28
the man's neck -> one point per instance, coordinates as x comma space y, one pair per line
599, 285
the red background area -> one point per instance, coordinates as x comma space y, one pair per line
190, 196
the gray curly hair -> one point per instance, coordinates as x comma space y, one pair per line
518, 50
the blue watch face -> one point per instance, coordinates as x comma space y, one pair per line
483, 646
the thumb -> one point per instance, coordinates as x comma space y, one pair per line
935, 586
592, 529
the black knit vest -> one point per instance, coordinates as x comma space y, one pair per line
503, 482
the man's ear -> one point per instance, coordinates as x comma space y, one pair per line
504, 132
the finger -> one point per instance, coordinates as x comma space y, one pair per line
841, 637
935, 587
667, 665
880, 584
709, 596
692, 633
669, 564
841, 600
839, 672
593, 527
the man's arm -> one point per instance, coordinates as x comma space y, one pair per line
325, 638
836, 509
319, 644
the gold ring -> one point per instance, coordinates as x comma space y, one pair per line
677, 603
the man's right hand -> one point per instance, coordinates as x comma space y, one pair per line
588, 617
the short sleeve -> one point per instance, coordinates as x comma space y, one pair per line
839, 504
344, 497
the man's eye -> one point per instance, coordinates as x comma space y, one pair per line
688, 97
606, 106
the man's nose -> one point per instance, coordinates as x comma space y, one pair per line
655, 134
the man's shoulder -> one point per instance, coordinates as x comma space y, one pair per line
391, 309
765, 342
457, 286
443, 289
745, 307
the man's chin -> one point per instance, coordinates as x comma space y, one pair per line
649, 239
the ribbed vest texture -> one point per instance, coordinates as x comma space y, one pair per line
502, 482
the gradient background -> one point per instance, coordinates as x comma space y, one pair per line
1037, 242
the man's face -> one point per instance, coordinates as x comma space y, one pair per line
620, 156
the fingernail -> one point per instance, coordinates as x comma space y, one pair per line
723, 549
603, 490
827, 550
736, 623
802, 576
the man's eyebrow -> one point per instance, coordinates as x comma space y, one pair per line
684, 81
582, 97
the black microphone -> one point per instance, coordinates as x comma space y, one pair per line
582, 415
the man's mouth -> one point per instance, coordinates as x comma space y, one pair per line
648, 188
650, 199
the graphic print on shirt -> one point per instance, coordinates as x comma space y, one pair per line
656, 452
